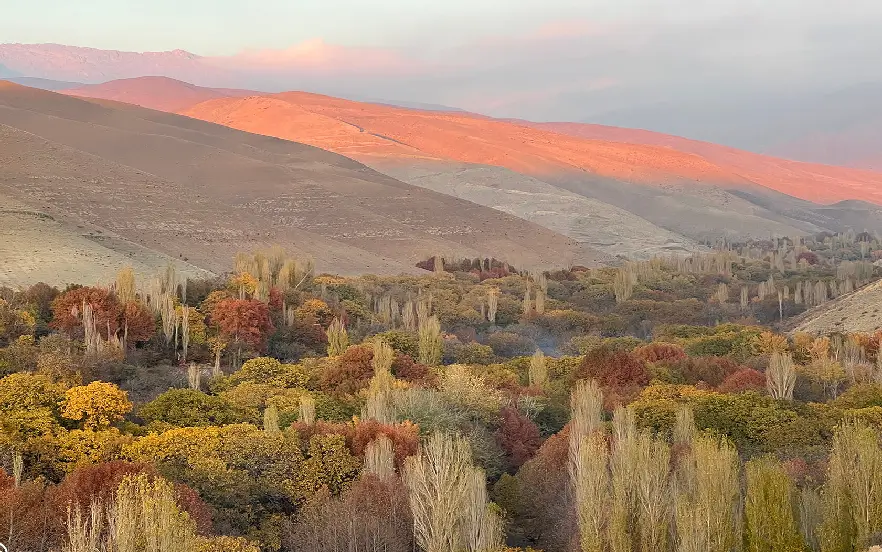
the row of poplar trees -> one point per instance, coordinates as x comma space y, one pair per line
636, 491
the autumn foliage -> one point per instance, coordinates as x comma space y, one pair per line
518, 436
746, 379
613, 369
244, 321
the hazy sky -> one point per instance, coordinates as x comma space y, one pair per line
540, 59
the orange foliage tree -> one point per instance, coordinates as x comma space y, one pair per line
134, 320
518, 436
243, 321
67, 311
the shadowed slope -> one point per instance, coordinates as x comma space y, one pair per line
856, 312
161, 93
678, 191
192, 189
693, 188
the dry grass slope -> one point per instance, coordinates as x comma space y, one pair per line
195, 190
857, 312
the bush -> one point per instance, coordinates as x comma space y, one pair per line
473, 353
746, 379
508, 344
189, 408
611, 368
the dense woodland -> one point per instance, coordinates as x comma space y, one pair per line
653, 406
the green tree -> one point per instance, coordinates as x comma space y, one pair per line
189, 408
770, 508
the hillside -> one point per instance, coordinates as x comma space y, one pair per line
161, 93
36, 247
810, 181
857, 312
594, 183
682, 191
202, 192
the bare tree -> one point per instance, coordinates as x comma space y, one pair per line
379, 457
307, 409
338, 338
438, 481
430, 341
781, 376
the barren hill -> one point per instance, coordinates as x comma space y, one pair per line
680, 191
199, 191
161, 93
857, 312
809, 181
627, 192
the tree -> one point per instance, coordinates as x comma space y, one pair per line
98, 405
28, 405
707, 496
40, 297
338, 338
540, 499
518, 436
243, 321
378, 405
270, 371
746, 379
769, 508
189, 408
145, 515
14, 323
430, 341
852, 496
329, 464
371, 515
660, 351
138, 322
781, 376
538, 372
613, 370
67, 311
379, 457
448, 498
348, 373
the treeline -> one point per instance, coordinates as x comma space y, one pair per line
477, 407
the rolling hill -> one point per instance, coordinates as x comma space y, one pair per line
856, 312
200, 192
626, 192
695, 189
161, 93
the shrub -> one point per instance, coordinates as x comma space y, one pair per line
745, 379
189, 408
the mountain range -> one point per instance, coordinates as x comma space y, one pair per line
172, 169
839, 127
683, 187
130, 179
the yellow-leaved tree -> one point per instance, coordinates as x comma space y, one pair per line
98, 405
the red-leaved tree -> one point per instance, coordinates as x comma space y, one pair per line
658, 351
67, 311
611, 368
138, 322
244, 321
518, 436
746, 379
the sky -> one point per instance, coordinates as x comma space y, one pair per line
648, 63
